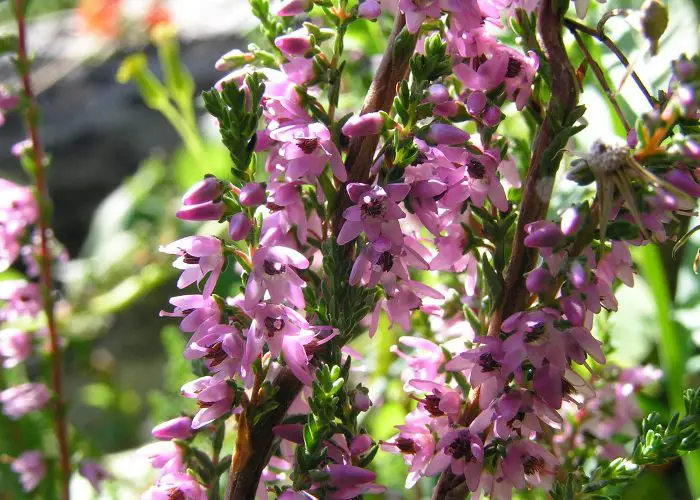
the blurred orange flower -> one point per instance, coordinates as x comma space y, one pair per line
101, 17
157, 14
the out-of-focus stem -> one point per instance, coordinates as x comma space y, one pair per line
45, 259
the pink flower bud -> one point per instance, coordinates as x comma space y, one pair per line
292, 7
547, 236
539, 280
362, 401
578, 275
252, 195
205, 190
492, 116
238, 227
202, 211
571, 221
442, 133
363, 125
294, 44
476, 102
683, 181
233, 59
369, 9
437, 94
349, 475
573, 309
360, 444
290, 432
176, 428
632, 139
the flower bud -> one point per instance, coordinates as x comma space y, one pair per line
476, 102
654, 22
297, 43
632, 139
492, 116
571, 221
578, 275
442, 133
293, 7
233, 59
360, 444
369, 9
539, 280
201, 211
364, 125
252, 195
545, 237
573, 309
238, 227
205, 190
362, 401
176, 428
683, 181
437, 94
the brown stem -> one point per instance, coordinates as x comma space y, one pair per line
255, 441
380, 96
605, 39
598, 72
536, 194
45, 259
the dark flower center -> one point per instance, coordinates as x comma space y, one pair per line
216, 354
534, 333
476, 169
273, 325
533, 465
461, 447
373, 208
308, 146
431, 402
189, 259
487, 363
514, 67
273, 268
386, 261
176, 494
406, 445
478, 61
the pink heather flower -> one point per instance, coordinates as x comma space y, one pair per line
31, 469
439, 400
481, 365
369, 9
416, 443
196, 311
284, 331
517, 413
208, 189
176, 486
18, 209
165, 455
443, 133
528, 463
492, 116
198, 256
481, 181
273, 271
375, 212
292, 7
15, 346
252, 195
364, 125
543, 234
476, 102
417, 10
94, 473
571, 221
296, 43
539, 280
519, 76
486, 75
451, 256
221, 347
401, 301
307, 148
21, 399
202, 211
533, 336
215, 399
175, 428
425, 362
239, 227
438, 94
350, 481
463, 453
380, 261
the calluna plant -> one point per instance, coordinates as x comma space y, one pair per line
416, 207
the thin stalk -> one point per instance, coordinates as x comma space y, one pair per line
673, 346
601, 78
607, 41
45, 259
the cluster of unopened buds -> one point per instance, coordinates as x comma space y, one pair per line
439, 204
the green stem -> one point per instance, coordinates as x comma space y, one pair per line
673, 345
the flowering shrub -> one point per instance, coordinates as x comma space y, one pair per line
416, 207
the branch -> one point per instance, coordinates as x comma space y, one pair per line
605, 39
254, 442
536, 195
45, 259
380, 97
